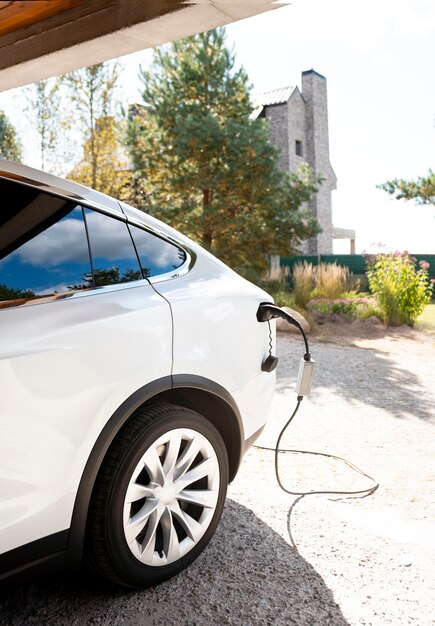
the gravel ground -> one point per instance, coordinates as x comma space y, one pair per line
315, 560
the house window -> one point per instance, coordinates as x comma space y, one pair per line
298, 148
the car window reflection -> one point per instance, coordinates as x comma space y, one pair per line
51, 248
49, 258
156, 255
114, 258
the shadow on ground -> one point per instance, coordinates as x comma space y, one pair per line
369, 376
247, 576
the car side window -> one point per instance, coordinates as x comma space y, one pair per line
157, 256
114, 259
44, 252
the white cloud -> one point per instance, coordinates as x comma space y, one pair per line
65, 242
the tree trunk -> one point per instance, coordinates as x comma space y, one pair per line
207, 234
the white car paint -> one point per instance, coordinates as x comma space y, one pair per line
67, 364
65, 368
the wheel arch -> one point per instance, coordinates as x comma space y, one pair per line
215, 404
194, 392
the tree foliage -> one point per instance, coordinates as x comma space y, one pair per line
422, 190
203, 166
402, 291
93, 94
43, 111
10, 147
104, 165
9, 293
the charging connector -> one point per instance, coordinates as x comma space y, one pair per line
266, 312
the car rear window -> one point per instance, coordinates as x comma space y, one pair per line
157, 256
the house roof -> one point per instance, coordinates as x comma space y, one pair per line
276, 96
269, 98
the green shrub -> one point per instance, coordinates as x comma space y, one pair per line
280, 294
351, 295
401, 290
278, 288
354, 307
366, 310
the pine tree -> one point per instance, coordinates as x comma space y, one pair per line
203, 166
422, 190
10, 147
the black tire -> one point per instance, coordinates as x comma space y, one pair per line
106, 546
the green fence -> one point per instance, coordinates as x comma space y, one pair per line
355, 262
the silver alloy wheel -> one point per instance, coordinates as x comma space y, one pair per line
171, 497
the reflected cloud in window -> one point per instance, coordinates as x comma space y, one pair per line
55, 259
156, 255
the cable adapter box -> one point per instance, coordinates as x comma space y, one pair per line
305, 377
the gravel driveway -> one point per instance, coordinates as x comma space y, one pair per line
316, 560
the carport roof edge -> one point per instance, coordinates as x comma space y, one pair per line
94, 31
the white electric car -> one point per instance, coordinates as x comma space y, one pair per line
131, 383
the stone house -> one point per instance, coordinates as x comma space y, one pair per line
298, 126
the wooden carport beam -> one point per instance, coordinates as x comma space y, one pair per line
16, 14
76, 33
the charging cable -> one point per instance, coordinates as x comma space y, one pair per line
265, 313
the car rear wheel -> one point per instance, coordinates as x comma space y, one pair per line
158, 497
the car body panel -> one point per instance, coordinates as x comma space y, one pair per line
228, 345
63, 375
72, 368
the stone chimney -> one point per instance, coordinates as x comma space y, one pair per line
316, 154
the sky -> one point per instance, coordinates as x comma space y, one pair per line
378, 57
